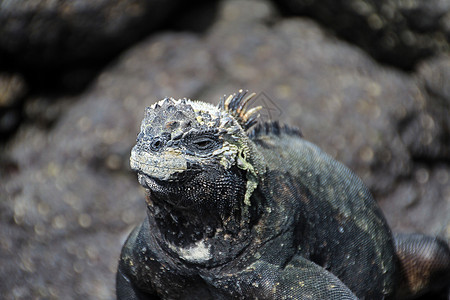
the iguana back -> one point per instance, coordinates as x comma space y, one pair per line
337, 223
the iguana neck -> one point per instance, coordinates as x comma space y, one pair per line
184, 233
208, 211
184, 226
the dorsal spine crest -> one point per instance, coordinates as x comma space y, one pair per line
236, 105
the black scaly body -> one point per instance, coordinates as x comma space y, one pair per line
240, 210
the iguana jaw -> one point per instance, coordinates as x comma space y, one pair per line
153, 184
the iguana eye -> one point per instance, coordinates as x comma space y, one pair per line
203, 143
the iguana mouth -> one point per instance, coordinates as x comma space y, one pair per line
171, 192
159, 185
174, 186
149, 182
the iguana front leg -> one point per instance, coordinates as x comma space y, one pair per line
299, 279
127, 270
126, 290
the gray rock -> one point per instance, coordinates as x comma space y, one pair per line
12, 87
396, 32
41, 32
71, 199
12, 90
61, 45
427, 132
421, 201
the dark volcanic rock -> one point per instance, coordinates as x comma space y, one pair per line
12, 90
396, 32
56, 32
69, 198
428, 134
12, 87
421, 201
65, 40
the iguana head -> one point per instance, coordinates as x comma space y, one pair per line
197, 155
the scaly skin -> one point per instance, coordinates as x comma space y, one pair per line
242, 210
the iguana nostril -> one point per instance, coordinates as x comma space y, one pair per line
156, 144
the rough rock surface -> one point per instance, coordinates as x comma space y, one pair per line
69, 39
69, 198
432, 127
12, 91
396, 32
48, 32
423, 195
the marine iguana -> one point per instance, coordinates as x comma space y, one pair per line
243, 209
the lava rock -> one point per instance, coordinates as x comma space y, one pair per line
63, 42
70, 198
396, 32
12, 92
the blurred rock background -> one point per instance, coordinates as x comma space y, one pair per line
368, 81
